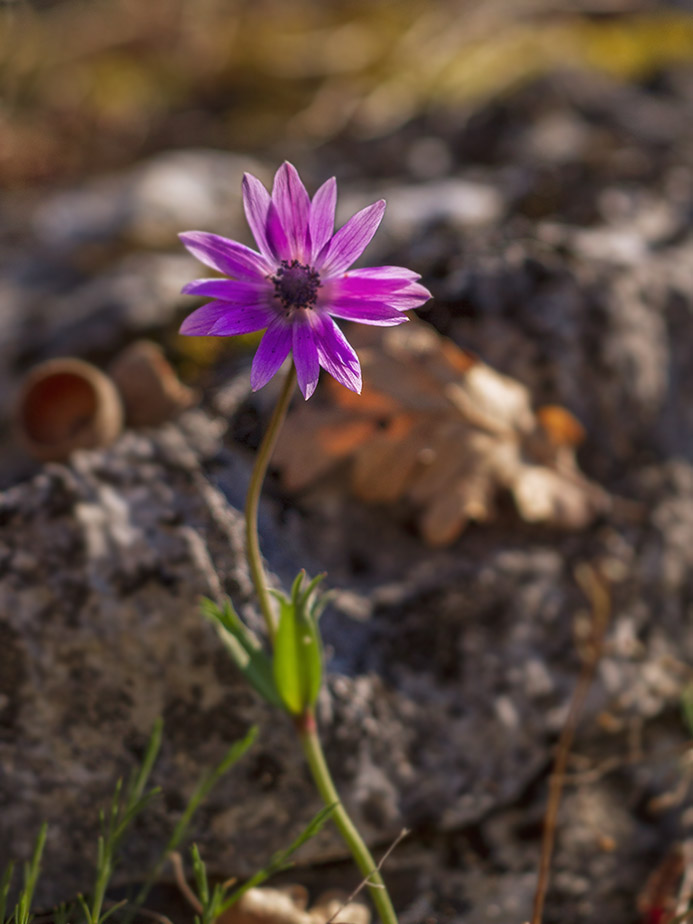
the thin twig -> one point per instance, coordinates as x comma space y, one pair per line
595, 589
635, 755
366, 881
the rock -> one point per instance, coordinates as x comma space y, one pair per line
148, 385
172, 192
593, 320
554, 226
463, 203
103, 564
435, 714
75, 286
86, 316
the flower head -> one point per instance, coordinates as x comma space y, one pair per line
298, 282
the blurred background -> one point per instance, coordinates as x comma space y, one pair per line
537, 161
97, 84
123, 123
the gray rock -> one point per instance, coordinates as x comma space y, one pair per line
597, 320
174, 191
443, 693
103, 564
466, 203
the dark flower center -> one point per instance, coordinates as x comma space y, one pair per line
296, 285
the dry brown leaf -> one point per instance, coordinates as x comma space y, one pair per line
289, 905
441, 430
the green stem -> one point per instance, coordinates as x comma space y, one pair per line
306, 725
312, 748
257, 571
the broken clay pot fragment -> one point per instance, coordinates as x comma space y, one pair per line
66, 404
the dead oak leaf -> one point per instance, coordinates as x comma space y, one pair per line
443, 431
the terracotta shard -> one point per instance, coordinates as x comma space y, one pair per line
64, 405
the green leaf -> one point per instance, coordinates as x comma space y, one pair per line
312, 586
245, 649
297, 650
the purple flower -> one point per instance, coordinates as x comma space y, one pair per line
298, 282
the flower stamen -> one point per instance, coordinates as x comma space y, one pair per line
295, 285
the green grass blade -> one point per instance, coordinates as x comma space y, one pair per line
22, 911
200, 874
86, 911
5, 884
281, 859
125, 806
139, 783
112, 910
64, 913
205, 785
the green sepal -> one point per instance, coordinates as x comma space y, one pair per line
245, 649
298, 648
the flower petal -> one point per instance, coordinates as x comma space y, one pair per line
256, 203
352, 286
276, 235
376, 313
293, 205
273, 350
225, 256
336, 355
413, 296
221, 319
305, 358
385, 272
350, 241
322, 210
230, 290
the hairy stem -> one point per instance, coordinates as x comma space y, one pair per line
257, 570
312, 748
